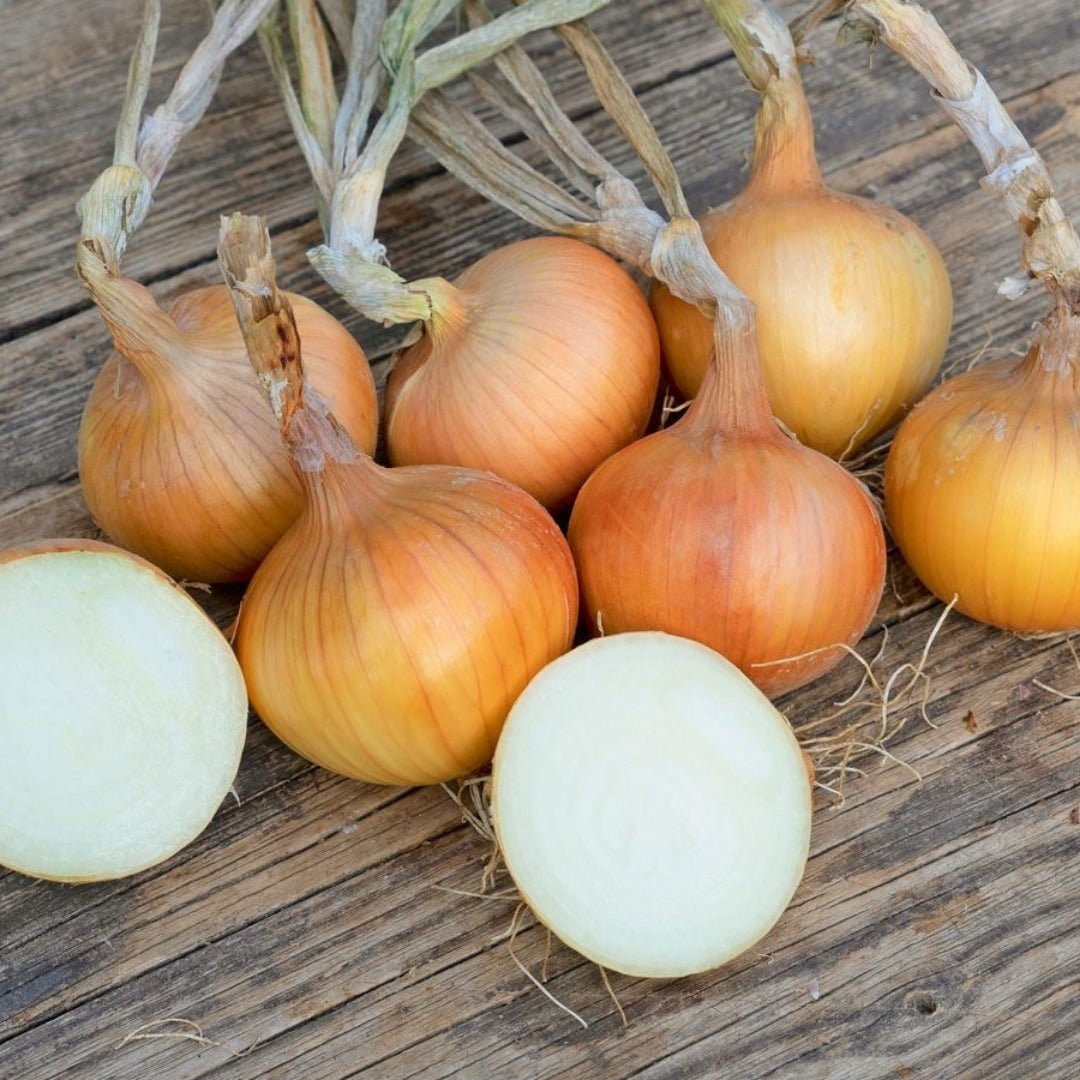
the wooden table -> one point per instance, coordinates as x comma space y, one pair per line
308, 933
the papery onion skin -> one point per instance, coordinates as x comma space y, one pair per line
179, 458
197, 799
854, 304
541, 362
388, 633
854, 301
982, 489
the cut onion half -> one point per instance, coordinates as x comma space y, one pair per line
122, 713
652, 806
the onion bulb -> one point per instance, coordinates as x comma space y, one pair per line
982, 487
854, 302
541, 361
122, 713
724, 530
179, 459
651, 805
388, 632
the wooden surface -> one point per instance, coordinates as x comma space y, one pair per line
308, 933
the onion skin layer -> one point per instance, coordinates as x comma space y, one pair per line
854, 311
540, 362
49, 546
755, 546
982, 489
388, 633
179, 458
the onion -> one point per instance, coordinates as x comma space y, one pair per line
179, 459
539, 363
122, 713
389, 631
722, 529
982, 479
651, 805
982, 487
854, 301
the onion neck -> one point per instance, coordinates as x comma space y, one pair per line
449, 312
142, 333
339, 479
1055, 347
784, 155
732, 400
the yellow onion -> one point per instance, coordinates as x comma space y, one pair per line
389, 631
122, 713
540, 362
724, 530
179, 459
982, 487
854, 303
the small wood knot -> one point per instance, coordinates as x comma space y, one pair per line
924, 1003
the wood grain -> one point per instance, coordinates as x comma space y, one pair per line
308, 929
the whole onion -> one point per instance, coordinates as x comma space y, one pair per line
982, 486
722, 529
854, 302
541, 361
179, 458
389, 631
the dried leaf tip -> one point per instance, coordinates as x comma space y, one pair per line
267, 322
264, 313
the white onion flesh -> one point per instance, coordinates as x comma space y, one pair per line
122, 715
652, 806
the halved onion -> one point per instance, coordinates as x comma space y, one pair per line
122, 713
651, 805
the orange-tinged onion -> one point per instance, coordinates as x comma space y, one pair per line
179, 459
539, 363
982, 487
722, 529
854, 302
389, 631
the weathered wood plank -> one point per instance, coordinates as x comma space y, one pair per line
986, 776
826, 941
936, 919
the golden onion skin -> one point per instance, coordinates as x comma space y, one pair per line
750, 544
180, 460
854, 310
542, 361
982, 493
388, 633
